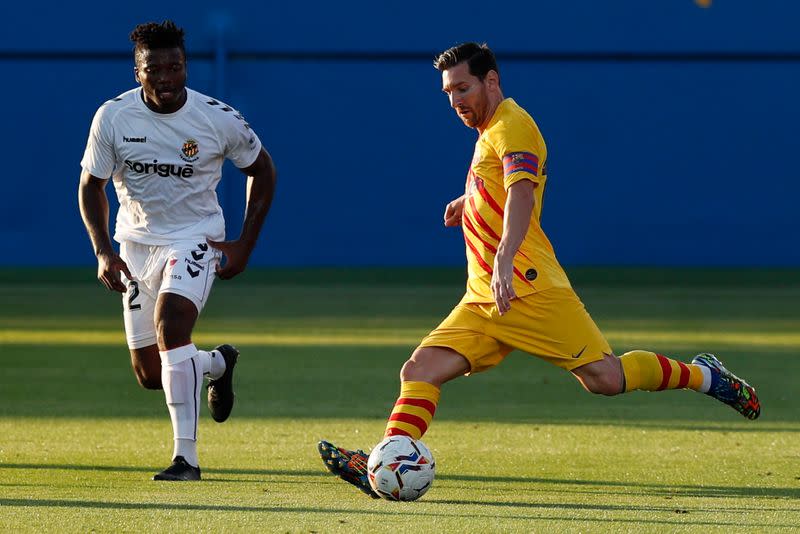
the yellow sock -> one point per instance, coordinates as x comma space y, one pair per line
649, 371
414, 409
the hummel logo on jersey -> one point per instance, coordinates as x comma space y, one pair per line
190, 262
161, 169
134, 139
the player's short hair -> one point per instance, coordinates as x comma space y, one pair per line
152, 35
479, 58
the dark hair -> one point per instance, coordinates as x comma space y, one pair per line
152, 35
479, 57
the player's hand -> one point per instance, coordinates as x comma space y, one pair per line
236, 253
454, 211
502, 284
109, 265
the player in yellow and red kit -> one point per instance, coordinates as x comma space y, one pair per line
518, 296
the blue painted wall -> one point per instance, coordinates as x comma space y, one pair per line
671, 129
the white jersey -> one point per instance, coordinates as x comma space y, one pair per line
165, 167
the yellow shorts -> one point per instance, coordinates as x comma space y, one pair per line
552, 324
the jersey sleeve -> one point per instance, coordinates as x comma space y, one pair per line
521, 150
99, 156
242, 145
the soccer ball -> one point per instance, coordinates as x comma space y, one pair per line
400, 468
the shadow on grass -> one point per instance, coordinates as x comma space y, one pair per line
611, 507
403, 509
146, 469
682, 490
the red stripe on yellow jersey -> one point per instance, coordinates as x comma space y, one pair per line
471, 211
491, 248
510, 149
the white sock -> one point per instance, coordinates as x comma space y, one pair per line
182, 378
706, 379
188, 449
213, 363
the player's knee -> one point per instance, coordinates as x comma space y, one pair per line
148, 380
175, 318
420, 367
172, 332
604, 385
411, 370
163, 332
603, 377
146, 366
434, 365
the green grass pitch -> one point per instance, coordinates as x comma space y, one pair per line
521, 448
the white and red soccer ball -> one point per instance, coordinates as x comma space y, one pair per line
400, 468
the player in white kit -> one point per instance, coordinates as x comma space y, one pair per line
163, 146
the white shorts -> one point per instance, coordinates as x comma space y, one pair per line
185, 268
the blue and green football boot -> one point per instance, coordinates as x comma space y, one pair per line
729, 388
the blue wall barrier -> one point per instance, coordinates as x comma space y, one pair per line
671, 129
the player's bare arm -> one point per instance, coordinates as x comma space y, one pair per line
94, 212
261, 179
453, 212
518, 211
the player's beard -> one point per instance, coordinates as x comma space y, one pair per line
468, 120
477, 113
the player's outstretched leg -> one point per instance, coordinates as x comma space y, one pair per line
220, 390
350, 466
729, 388
648, 371
179, 470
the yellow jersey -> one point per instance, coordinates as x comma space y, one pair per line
510, 149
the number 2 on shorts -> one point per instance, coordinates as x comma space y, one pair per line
133, 292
